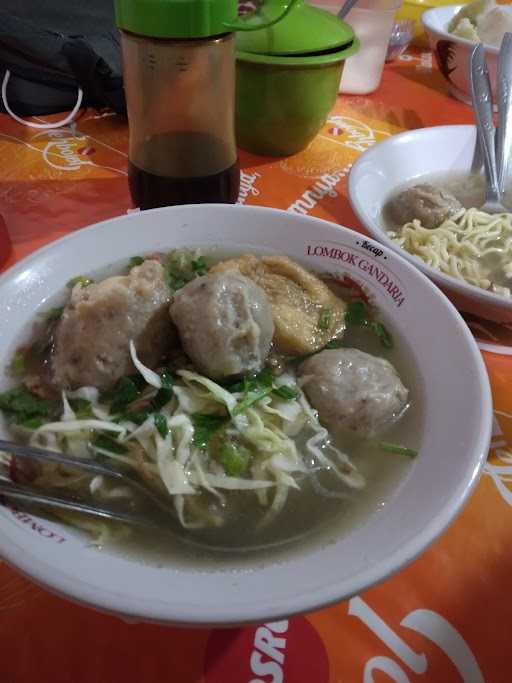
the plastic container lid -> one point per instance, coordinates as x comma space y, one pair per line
303, 30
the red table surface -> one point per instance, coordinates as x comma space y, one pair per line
444, 618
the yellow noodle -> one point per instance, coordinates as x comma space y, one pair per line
461, 245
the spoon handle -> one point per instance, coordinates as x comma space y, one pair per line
346, 8
504, 97
482, 104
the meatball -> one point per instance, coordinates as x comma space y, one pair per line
353, 390
93, 335
306, 313
429, 204
225, 324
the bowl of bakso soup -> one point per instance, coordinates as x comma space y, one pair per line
419, 193
271, 379
453, 32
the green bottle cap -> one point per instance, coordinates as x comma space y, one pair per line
176, 18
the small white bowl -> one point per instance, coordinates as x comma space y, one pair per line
455, 437
383, 169
453, 53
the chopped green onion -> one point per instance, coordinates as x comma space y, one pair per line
17, 364
125, 391
82, 408
382, 333
199, 265
205, 427
32, 423
161, 399
53, 314
139, 417
235, 458
255, 387
80, 280
107, 443
396, 448
175, 281
286, 392
136, 261
324, 318
167, 380
355, 313
41, 347
161, 424
23, 405
335, 344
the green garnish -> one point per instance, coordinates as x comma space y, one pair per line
255, 387
286, 392
136, 261
17, 364
182, 268
23, 405
396, 448
324, 318
125, 391
138, 417
235, 458
82, 408
167, 380
175, 281
161, 424
382, 334
205, 427
53, 314
33, 423
107, 443
41, 347
357, 315
335, 344
80, 280
199, 265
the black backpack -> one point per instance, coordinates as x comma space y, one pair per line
50, 47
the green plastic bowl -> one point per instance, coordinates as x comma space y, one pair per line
282, 102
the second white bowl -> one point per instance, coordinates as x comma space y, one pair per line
453, 53
398, 161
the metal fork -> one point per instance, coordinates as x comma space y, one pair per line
495, 143
12, 490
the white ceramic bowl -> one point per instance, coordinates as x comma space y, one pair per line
455, 439
453, 53
399, 160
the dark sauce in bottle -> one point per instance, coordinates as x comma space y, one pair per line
186, 151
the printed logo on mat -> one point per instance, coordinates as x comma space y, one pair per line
278, 652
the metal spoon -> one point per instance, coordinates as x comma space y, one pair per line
346, 8
496, 145
504, 97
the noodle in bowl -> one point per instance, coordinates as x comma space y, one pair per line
460, 253
461, 246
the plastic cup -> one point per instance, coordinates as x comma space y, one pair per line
372, 21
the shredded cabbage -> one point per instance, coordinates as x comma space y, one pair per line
151, 377
281, 438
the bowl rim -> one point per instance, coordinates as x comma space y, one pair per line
461, 287
427, 19
81, 592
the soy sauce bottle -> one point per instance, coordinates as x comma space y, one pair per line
179, 79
